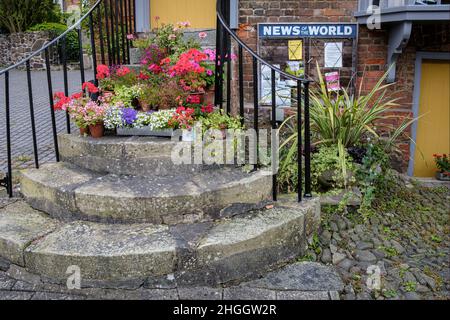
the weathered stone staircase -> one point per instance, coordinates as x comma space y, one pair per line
120, 210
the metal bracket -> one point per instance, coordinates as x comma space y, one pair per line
399, 35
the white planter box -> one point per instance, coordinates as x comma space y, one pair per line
145, 131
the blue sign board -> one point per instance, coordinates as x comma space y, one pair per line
307, 30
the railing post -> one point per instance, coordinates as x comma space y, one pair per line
122, 30
33, 123
256, 106
125, 8
100, 34
299, 142
80, 43
307, 144
66, 84
241, 85
94, 50
8, 178
108, 43
116, 19
274, 127
217, 83
113, 40
52, 110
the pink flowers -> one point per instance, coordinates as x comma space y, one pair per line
130, 37
202, 35
193, 99
123, 71
91, 88
207, 109
61, 101
103, 72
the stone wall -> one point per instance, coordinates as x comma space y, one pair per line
371, 51
17, 46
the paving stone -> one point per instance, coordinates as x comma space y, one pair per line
361, 245
55, 296
303, 276
303, 295
365, 256
326, 256
200, 293
19, 226
104, 252
338, 257
6, 283
246, 293
15, 295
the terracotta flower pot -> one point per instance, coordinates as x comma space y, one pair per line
209, 97
97, 130
84, 131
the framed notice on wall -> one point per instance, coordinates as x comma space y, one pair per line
333, 55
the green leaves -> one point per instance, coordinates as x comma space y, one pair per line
19, 15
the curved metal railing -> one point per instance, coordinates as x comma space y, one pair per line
224, 38
116, 18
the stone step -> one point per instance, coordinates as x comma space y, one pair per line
141, 156
226, 251
68, 192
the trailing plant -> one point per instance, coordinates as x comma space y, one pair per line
371, 174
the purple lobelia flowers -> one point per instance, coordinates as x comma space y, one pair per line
129, 116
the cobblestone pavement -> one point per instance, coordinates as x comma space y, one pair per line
22, 143
405, 242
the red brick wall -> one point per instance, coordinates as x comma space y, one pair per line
372, 45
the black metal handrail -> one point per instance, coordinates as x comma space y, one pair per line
119, 21
223, 54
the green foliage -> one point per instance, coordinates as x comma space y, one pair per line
72, 45
371, 174
219, 120
327, 164
347, 119
19, 15
162, 94
390, 293
410, 286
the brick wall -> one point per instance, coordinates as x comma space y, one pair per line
372, 46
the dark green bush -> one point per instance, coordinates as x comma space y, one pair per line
72, 46
19, 15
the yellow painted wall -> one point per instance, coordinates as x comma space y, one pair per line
433, 133
200, 13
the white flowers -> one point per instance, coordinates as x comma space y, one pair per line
158, 120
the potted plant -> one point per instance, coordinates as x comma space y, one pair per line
183, 118
443, 165
75, 105
219, 120
93, 114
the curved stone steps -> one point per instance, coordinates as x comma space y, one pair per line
230, 250
140, 156
69, 192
